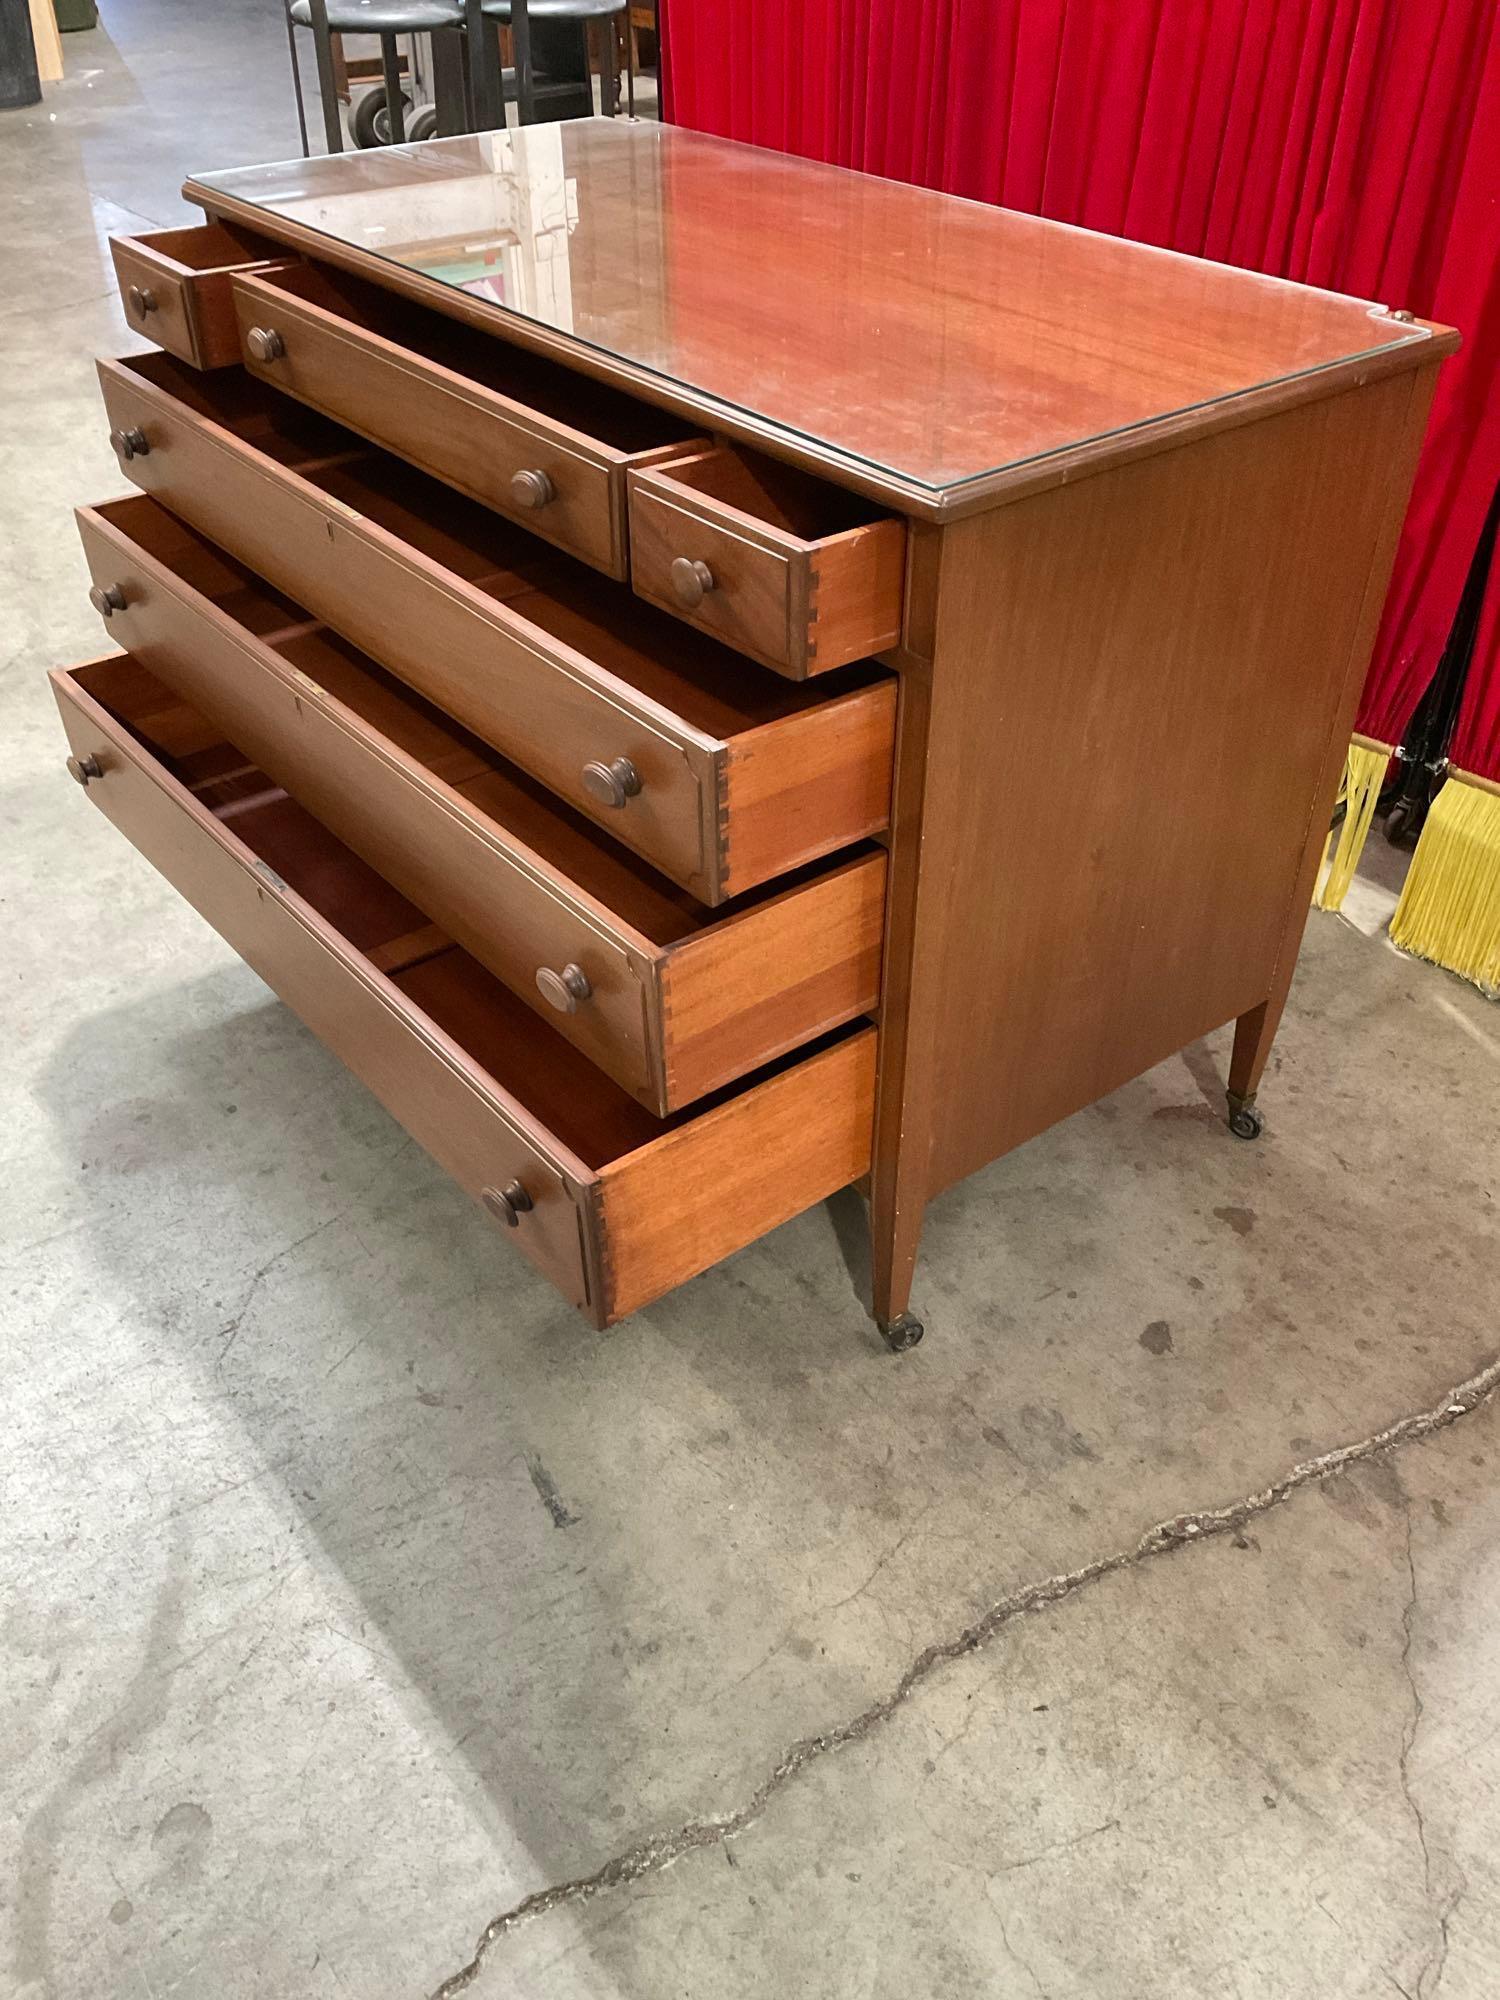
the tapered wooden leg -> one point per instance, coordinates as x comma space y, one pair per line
903, 1098
1253, 1035
895, 1231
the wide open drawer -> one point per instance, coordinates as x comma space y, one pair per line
541, 444
614, 1205
797, 573
174, 285
671, 1000
721, 774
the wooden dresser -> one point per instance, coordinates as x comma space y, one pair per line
706, 679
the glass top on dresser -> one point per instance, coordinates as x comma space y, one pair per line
932, 340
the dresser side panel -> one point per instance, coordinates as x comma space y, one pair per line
1136, 683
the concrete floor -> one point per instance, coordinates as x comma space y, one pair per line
355, 1592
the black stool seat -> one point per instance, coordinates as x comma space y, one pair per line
556, 10
383, 17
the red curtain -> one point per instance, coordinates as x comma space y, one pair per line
1476, 740
1353, 144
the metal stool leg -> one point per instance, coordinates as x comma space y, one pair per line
520, 36
481, 45
448, 83
333, 125
390, 67
291, 42
609, 68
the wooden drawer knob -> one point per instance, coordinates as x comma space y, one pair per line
612, 784
141, 300
81, 769
532, 488
507, 1204
691, 580
265, 343
107, 599
565, 990
131, 443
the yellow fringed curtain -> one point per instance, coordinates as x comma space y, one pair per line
1449, 911
1365, 767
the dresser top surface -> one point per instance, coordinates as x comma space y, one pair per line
936, 348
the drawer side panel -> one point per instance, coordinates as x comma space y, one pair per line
714, 1185
747, 991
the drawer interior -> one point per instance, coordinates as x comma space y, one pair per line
559, 393
287, 432
648, 902
210, 246
587, 1112
707, 684
763, 488
245, 598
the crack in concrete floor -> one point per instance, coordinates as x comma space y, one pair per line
1445, 1907
658, 1851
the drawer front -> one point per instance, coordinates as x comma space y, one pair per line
422, 1079
416, 832
174, 286
533, 698
156, 295
755, 589
457, 430
801, 606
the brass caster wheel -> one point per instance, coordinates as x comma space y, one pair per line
1245, 1122
901, 1333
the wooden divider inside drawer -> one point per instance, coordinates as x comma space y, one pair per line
175, 287
721, 774
670, 1000
538, 442
613, 1205
801, 575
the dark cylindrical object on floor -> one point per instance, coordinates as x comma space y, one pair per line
19, 84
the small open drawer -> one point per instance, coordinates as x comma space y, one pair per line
175, 287
672, 999
798, 574
613, 1205
721, 774
544, 445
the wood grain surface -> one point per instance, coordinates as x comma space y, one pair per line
721, 1180
937, 353
456, 1112
623, 1205
793, 586
744, 775
445, 417
677, 1003
186, 273
1137, 684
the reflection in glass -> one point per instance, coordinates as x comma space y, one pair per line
931, 339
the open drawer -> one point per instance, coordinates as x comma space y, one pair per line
542, 444
175, 287
613, 1205
801, 575
672, 1000
721, 774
